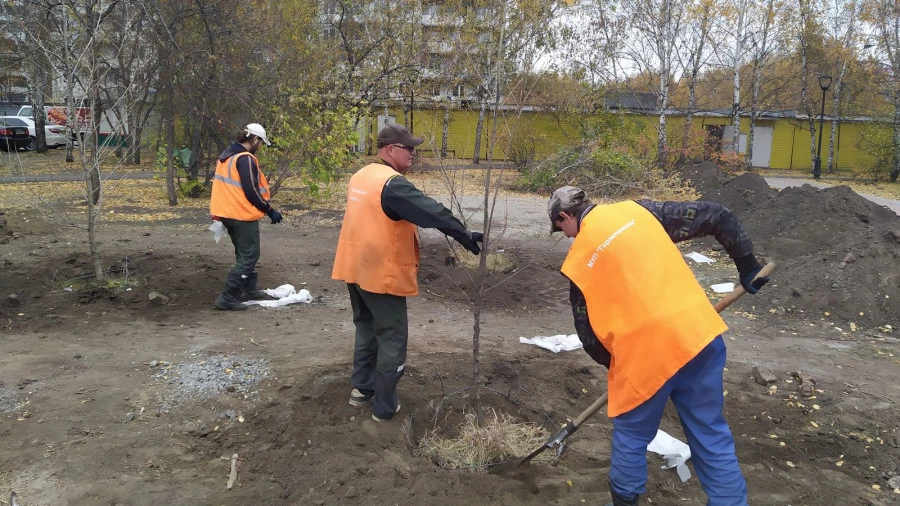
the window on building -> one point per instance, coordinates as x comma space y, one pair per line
435, 61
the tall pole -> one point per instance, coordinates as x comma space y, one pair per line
817, 168
824, 83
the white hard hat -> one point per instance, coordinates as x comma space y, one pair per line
257, 130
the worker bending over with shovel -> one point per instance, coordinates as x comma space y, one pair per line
640, 312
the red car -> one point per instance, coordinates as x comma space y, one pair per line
13, 133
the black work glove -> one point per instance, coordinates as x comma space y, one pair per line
748, 267
472, 245
274, 215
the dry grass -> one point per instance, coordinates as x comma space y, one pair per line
495, 262
427, 176
499, 439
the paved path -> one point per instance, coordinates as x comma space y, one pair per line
784, 182
43, 178
775, 182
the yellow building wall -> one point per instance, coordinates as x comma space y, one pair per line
790, 138
546, 132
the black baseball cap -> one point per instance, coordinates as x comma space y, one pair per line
394, 133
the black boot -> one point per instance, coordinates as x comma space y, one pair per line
249, 290
229, 299
618, 500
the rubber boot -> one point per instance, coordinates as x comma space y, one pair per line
229, 299
618, 500
249, 290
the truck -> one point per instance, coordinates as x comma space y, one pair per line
56, 115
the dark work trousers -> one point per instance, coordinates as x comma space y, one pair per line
697, 392
245, 237
379, 355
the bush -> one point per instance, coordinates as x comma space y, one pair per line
538, 178
188, 186
523, 145
879, 144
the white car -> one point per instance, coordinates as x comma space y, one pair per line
56, 135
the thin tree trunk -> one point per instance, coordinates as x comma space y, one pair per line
754, 101
692, 84
896, 171
170, 155
96, 113
479, 128
836, 108
40, 117
689, 116
445, 130
736, 102
834, 122
135, 147
169, 122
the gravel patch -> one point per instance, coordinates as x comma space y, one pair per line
210, 377
9, 400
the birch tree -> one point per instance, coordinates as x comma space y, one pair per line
73, 36
657, 25
737, 13
843, 25
135, 71
694, 57
372, 48
763, 46
883, 16
592, 42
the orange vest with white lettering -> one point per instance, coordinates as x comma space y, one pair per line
643, 301
228, 200
377, 253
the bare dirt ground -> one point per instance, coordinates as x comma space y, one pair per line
109, 397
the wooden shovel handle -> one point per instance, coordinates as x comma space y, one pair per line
736, 294
593, 408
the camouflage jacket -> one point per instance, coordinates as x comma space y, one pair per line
682, 221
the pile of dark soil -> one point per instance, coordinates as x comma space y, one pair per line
837, 252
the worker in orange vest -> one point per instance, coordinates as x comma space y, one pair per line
240, 198
378, 257
640, 312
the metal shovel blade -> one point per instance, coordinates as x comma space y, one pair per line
572, 426
567, 430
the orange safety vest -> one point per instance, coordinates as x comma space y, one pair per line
377, 253
643, 301
228, 200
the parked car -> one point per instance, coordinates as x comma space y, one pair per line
55, 134
13, 133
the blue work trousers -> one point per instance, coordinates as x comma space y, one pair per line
697, 392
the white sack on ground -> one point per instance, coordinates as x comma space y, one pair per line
286, 294
555, 343
674, 451
700, 259
723, 287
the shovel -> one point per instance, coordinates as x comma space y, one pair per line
572, 425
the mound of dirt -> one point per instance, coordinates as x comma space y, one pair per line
837, 252
706, 176
742, 193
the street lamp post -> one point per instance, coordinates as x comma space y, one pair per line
824, 83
